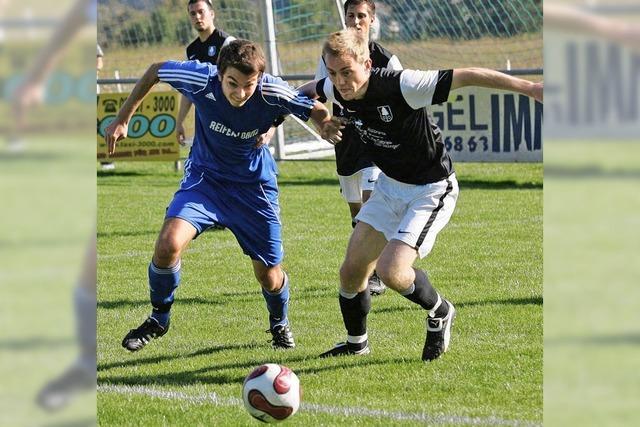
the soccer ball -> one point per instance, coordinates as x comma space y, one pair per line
271, 393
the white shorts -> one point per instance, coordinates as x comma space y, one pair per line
351, 187
413, 214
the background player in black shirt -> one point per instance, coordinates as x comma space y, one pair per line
417, 190
356, 173
205, 48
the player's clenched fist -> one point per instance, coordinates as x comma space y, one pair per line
330, 130
114, 133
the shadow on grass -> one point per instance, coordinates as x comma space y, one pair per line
214, 374
461, 304
128, 233
118, 304
158, 359
116, 173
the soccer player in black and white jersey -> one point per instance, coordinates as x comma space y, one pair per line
356, 172
205, 48
417, 189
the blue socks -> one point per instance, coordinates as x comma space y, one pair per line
163, 283
278, 304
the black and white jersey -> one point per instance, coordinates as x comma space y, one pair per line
351, 158
394, 125
208, 50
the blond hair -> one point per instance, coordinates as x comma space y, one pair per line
346, 42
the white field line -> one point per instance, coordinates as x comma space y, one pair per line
215, 399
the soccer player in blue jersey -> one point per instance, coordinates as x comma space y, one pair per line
227, 180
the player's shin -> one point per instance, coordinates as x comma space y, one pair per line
423, 293
355, 308
278, 304
163, 283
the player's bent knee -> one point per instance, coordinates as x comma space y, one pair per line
391, 274
271, 279
167, 251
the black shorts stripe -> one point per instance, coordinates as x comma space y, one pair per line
434, 214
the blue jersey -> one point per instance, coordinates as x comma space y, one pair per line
225, 135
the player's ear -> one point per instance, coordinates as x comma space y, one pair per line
367, 64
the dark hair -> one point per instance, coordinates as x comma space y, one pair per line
243, 55
370, 3
197, 1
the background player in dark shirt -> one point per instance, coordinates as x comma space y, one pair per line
205, 48
356, 173
417, 190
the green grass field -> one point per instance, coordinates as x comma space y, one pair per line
488, 261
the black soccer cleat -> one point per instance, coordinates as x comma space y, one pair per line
59, 392
438, 335
139, 337
282, 337
342, 349
375, 285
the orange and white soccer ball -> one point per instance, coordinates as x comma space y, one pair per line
271, 393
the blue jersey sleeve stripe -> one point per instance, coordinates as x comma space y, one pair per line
275, 91
202, 74
281, 89
173, 77
284, 89
300, 102
188, 82
202, 79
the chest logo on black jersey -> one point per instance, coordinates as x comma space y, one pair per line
212, 50
385, 113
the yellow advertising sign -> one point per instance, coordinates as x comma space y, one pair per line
152, 128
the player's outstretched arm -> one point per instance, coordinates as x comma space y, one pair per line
328, 126
117, 130
485, 77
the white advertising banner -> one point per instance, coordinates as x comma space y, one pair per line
487, 125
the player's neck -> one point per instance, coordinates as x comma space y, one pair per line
362, 92
205, 34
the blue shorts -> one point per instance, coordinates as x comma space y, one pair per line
250, 211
